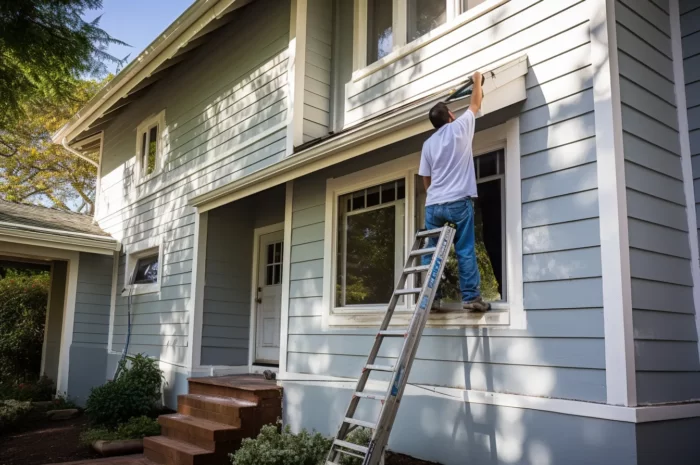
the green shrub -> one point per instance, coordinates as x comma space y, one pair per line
62, 403
23, 299
135, 428
135, 392
40, 390
12, 413
280, 447
360, 436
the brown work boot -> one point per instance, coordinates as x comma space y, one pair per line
477, 305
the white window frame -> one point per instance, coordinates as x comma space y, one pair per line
506, 137
153, 120
136, 251
400, 47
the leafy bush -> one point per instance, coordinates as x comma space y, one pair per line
135, 392
280, 447
12, 413
135, 428
40, 390
360, 436
62, 403
23, 299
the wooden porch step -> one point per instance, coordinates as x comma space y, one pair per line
164, 450
226, 410
201, 433
251, 388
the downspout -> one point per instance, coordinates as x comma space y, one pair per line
64, 142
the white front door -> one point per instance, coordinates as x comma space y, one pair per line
269, 298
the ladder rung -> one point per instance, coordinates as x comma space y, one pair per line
410, 290
366, 395
420, 252
416, 269
429, 233
388, 368
351, 446
365, 424
393, 333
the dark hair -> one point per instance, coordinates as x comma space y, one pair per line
439, 115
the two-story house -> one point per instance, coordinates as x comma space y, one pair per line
259, 168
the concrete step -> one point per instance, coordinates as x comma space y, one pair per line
168, 451
199, 432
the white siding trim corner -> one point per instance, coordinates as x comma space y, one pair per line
686, 163
296, 68
113, 299
68, 319
612, 205
286, 275
196, 302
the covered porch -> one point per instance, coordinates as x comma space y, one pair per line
238, 285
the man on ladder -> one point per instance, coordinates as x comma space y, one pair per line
447, 168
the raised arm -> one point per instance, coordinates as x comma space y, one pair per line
477, 93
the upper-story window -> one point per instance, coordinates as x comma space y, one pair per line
149, 145
392, 24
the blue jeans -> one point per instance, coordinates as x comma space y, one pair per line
461, 213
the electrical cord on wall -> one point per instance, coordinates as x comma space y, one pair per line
128, 323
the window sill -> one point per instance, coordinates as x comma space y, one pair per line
498, 316
432, 36
139, 289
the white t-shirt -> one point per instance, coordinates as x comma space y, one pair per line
448, 159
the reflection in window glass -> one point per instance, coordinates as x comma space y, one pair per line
467, 4
380, 40
367, 245
152, 150
489, 229
147, 270
424, 16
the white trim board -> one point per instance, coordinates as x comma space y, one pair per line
612, 204
562, 406
68, 324
196, 304
252, 336
59, 240
286, 275
686, 162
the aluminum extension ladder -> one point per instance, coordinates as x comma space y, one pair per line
374, 454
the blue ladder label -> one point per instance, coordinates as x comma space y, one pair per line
395, 386
434, 272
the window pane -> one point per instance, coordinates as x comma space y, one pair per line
467, 4
278, 274
487, 164
270, 254
144, 158
488, 225
373, 196
358, 200
146, 270
389, 192
152, 150
269, 275
367, 272
379, 34
424, 16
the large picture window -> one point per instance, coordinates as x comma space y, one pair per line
371, 219
370, 249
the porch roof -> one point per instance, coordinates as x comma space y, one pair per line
50, 227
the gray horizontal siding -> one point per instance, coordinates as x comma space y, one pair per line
226, 110
664, 330
226, 317
319, 32
93, 300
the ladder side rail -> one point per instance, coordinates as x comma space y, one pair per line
380, 437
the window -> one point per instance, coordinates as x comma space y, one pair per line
149, 145
370, 250
391, 24
489, 225
146, 270
273, 264
143, 271
372, 216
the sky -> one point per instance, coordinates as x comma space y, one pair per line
136, 22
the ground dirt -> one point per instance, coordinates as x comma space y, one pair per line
42, 441
398, 459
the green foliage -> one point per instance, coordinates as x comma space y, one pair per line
359, 436
45, 45
135, 392
41, 390
62, 403
280, 447
135, 428
23, 299
12, 413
